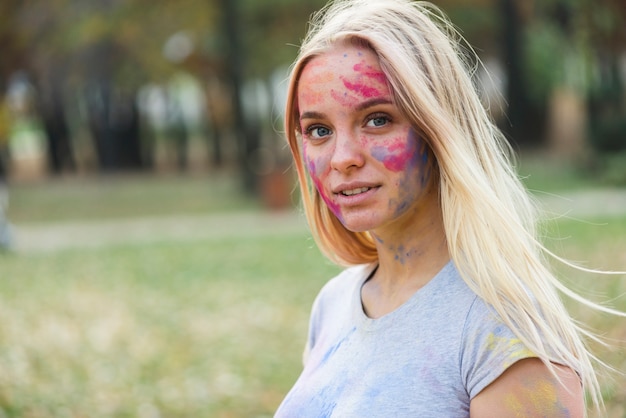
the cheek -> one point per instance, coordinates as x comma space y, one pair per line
399, 154
317, 165
402, 154
319, 168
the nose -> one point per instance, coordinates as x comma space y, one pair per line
348, 153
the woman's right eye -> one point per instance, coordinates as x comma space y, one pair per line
317, 132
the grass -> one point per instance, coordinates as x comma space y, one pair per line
549, 173
203, 327
210, 328
598, 244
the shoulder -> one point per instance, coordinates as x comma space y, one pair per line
529, 389
333, 305
342, 285
489, 347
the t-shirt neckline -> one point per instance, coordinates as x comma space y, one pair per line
370, 324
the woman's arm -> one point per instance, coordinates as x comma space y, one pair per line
528, 389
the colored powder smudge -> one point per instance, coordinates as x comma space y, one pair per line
514, 405
343, 98
515, 349
336, 347
370, 72
537, 397
335, 209
395, 157
361, 89
543, 395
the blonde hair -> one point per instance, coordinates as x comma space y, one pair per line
489, 217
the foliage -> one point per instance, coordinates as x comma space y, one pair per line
544, 69
64, 31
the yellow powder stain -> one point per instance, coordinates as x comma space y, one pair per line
540, 397
544, 396
514, 405
514, 346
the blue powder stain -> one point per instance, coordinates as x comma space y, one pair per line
380, 153
402, 207
334, 348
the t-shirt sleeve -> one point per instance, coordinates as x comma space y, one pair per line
489, 348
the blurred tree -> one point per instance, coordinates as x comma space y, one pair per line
12, 45
100, 52
272, 31
577, 46
90, 47
118, 45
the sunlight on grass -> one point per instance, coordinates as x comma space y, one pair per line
200, 329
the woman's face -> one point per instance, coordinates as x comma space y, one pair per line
368, 163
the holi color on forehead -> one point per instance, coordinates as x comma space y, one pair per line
317, 74
367, 82
361, 89
371, 72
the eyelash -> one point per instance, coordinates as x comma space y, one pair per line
307, 132
378, 116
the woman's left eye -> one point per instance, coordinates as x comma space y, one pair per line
377, 121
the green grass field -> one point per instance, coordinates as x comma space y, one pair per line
200, 328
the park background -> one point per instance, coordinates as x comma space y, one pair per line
156, 261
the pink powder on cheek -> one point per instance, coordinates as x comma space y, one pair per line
395, 157
315, 168
334, 208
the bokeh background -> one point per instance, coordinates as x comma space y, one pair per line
110, 86
154, 259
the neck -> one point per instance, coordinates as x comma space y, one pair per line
410, 254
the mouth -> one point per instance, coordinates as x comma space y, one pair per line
352, 192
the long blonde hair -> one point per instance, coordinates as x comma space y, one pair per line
489, 217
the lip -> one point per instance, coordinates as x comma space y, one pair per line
356, 198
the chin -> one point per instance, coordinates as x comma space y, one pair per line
359, 225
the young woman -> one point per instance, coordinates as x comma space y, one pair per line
447, 308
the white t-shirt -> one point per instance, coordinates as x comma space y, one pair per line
428, 358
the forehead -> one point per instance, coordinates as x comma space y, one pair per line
342, 61
346, 73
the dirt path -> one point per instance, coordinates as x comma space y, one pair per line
63, 235
92, 234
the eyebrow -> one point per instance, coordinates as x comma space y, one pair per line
312, 115
360, 107
373, 102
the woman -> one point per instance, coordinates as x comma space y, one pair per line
447, 308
